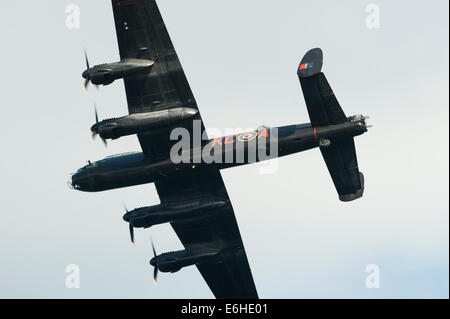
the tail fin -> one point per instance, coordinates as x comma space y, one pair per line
324, 109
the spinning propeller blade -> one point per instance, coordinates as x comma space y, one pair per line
155, 269
86, 74
130, 224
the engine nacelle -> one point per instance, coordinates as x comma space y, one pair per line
175, 261
141, 122
154, 215
105, 74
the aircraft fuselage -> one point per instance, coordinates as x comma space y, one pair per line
229, 151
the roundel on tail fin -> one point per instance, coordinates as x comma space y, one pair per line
311, 63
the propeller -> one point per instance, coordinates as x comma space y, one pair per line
87, 80
86, 74
155, 269
131, 227
131, 232
96, 114
86, 85
95, 133
87, 59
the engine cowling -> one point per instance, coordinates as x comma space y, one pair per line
174, 261
141, 122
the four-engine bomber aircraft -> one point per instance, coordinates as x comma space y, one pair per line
193, 196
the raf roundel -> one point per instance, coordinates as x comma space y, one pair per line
246, 137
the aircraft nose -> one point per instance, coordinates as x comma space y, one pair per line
126, 217
80, 182
73, 182
85, 74
153, 261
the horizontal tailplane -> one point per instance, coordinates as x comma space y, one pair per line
342, 164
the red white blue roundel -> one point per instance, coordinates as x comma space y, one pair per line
246, 137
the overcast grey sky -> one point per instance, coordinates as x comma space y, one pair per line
240, 58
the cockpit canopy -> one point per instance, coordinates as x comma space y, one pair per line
98, 163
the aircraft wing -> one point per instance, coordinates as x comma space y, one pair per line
230, 277
141, 33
